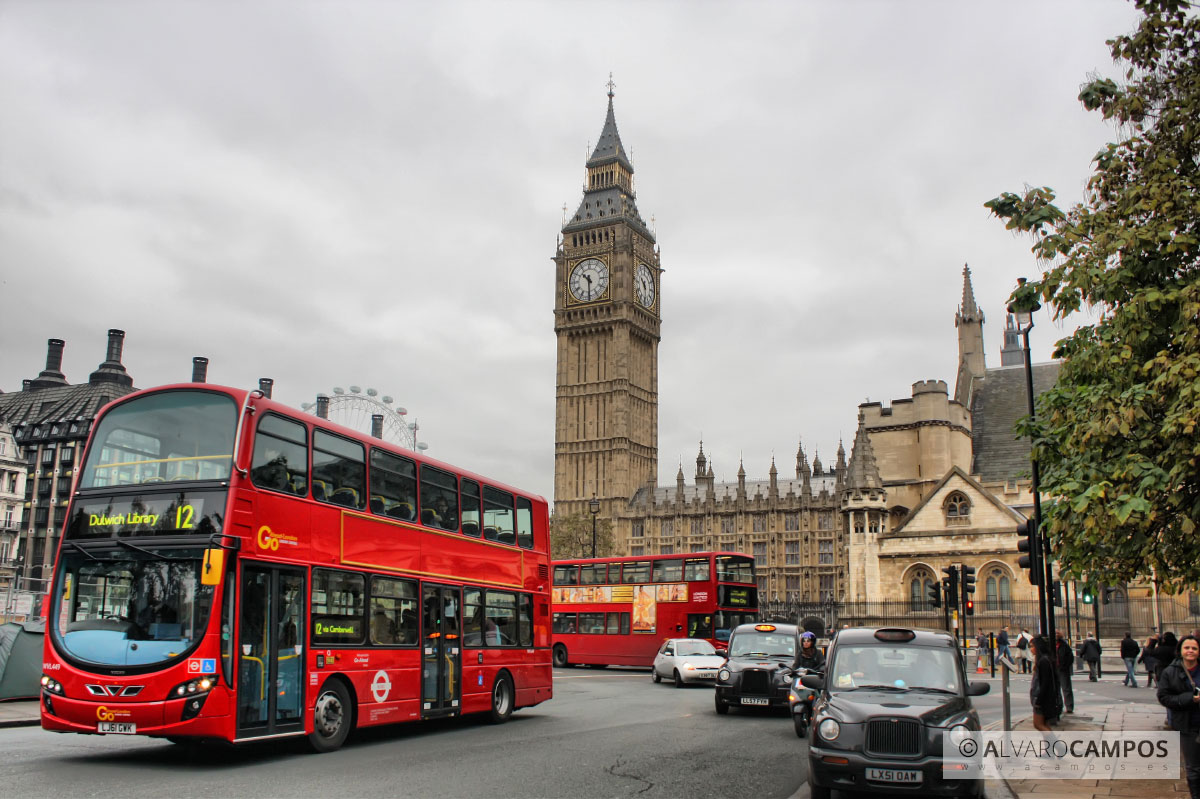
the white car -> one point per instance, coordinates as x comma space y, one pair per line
686, 660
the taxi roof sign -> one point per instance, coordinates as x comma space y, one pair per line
894, 634
765, 628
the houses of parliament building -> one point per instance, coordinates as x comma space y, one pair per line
932, 480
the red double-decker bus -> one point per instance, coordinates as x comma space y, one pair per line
236, 570
617, 611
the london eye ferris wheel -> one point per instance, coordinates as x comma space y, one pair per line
370, 413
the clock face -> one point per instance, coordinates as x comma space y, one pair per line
589, 280
643, 285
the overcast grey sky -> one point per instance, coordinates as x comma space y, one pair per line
370, 192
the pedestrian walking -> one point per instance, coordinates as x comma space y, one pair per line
1023, 654
981, 645
1066, 661
1091, 656
1147, 659
1041, 685
1164, 654
1129, 653
1002, 643
1179, 693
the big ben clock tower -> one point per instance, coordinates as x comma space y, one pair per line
607, 317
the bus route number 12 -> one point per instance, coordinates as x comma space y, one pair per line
183, 517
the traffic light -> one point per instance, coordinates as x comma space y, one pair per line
1056, 590
1106, 595
1087, 598
935, 595
970, 607
951, 573
968, 580
1028, 544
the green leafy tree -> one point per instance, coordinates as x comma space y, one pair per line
571, 537
1116, 439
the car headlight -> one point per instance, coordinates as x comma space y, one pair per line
723, 675
958, 733
829, 729
688, 666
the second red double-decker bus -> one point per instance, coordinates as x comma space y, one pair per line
617, 611
233, 569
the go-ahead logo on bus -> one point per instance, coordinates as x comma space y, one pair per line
105, 714
269, 540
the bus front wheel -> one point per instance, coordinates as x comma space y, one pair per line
332, 717
560, 656
502, 699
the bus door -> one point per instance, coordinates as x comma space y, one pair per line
270, 687
441, 656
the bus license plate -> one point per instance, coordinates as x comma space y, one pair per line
118, 727
755, 700
894, 775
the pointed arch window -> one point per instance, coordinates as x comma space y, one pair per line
998, 587
919, 586
957, 509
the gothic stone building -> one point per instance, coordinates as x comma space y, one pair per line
607, 312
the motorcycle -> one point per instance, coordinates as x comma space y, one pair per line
800, 701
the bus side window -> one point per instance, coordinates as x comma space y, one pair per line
524, 523
280, 461
341, 465
393, 486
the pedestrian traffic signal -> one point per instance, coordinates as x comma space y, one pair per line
1027, 543
970, 607
1087, 598
1056, 590
1106, 595
951, 573
935, 595
968, 580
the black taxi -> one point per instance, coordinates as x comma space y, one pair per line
887, 698
758, 666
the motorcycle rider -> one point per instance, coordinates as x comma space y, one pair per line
810, 658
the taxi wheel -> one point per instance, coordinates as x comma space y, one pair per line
332, 717
820, 792
657, 676
722, 706
502, 699
678, 679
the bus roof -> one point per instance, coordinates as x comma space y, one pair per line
624, 558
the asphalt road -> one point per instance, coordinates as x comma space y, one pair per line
606, 733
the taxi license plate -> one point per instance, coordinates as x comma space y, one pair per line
894, 775
755, 700
117, 727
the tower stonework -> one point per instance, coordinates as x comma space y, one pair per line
607, 320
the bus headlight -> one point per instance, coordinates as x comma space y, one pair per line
829, 729
200, 685
52, 685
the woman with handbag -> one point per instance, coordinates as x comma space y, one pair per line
1179, 693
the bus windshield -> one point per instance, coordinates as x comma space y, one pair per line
165, 437
735, 569
130, 608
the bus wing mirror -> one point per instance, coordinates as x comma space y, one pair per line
214, 566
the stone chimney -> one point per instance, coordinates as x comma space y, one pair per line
199, 369
323, 406
52, 375
112, 370
265, 384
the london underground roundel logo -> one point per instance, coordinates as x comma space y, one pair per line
381, 686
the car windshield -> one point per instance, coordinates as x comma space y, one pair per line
686, 648
130, 608
894, 666
762, 644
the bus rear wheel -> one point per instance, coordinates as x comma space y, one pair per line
502, 699
332, 717
560, 656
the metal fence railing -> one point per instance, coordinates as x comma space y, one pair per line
1139, 616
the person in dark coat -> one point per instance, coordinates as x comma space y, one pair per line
1129, 653
1147, 659
1165, 654
1179, 693
1090, 652
1066, 663
1042, 688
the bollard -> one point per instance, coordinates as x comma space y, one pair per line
1006, 665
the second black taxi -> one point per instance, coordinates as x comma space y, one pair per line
758, 670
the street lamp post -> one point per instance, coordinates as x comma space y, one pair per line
1024, 319
594, 508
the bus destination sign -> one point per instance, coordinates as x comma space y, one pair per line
736, 597
183, 513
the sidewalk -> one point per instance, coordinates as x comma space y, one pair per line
1131, 716
20, 713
